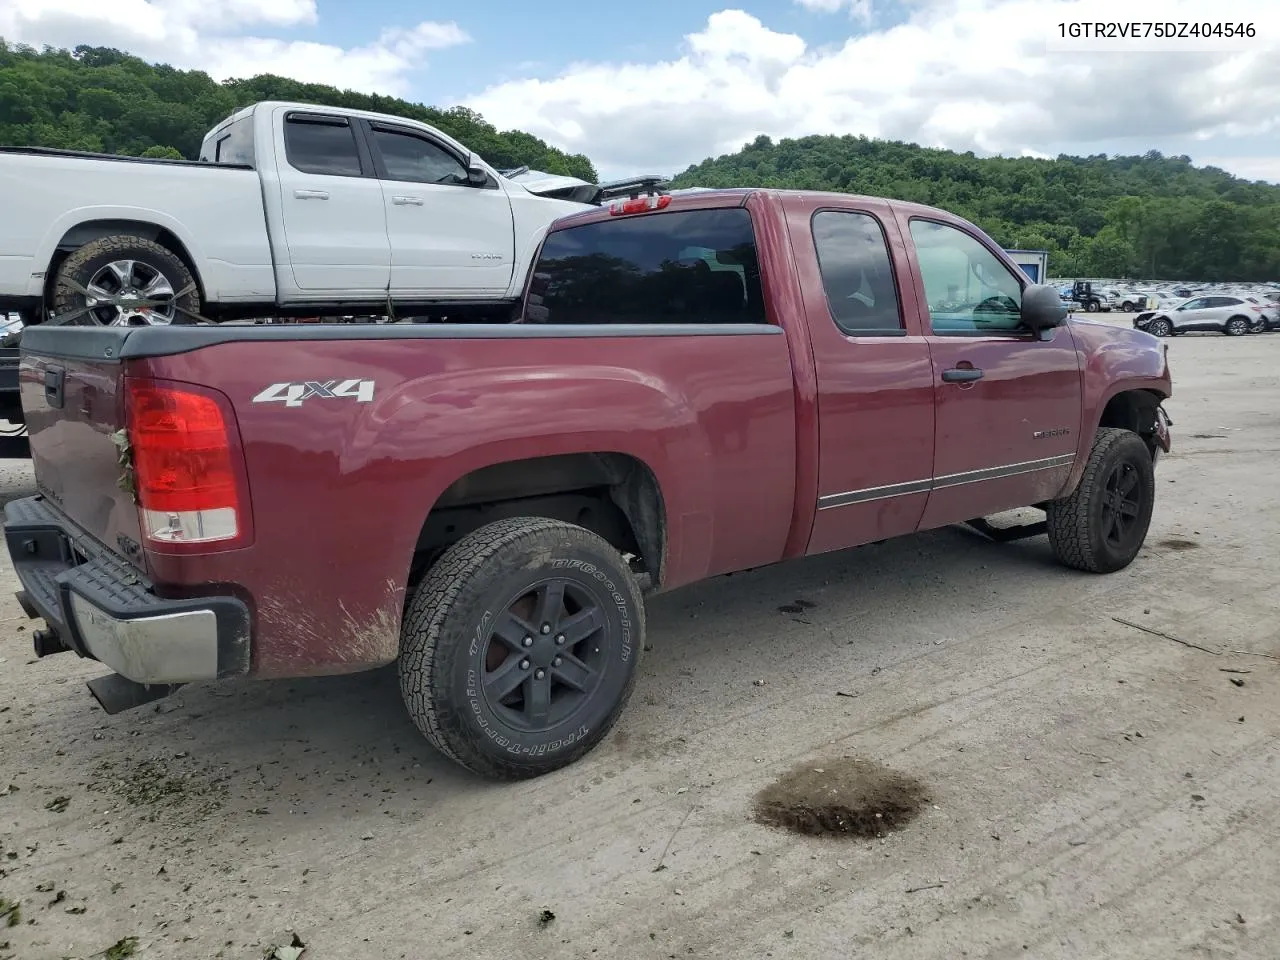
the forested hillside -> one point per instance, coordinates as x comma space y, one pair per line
1150, 217
103, 100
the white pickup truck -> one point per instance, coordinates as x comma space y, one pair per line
291, 210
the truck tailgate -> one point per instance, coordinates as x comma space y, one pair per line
73, 410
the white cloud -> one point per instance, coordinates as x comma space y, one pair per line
858, 9
1251, 168
215, 36
961, 74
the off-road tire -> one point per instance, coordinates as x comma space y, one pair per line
82, 264
1075, 523
1236, 326
446, 633
1160, 327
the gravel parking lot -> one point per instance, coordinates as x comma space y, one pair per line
1088, 787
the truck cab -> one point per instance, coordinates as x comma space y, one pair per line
422, 217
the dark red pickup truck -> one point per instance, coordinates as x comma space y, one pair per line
698, 383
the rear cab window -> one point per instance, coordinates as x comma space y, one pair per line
857, 273
232, 144
682, 267
322, 145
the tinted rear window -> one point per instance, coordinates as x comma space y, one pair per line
696, 266
235, 144
321, 147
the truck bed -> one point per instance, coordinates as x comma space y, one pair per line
214, 212
91, 155
350, 483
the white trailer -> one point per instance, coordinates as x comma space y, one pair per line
1034, 263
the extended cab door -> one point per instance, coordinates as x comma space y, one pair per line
1008, 402
875, 381
449, 237
335, 225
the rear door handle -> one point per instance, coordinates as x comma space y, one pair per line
311, 194
961, 375
407, 201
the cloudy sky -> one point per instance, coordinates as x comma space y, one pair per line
656, 90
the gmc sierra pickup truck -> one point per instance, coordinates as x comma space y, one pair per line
697, 384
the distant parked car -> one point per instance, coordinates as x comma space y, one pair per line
1233, 316
1130, 301
1268, 314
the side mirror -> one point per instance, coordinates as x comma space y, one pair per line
477, 175
1041, 308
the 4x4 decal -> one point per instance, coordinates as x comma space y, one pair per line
292, 394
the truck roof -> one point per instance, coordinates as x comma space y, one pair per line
267, 105
701, 199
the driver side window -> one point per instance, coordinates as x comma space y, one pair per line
417, 160
967, 289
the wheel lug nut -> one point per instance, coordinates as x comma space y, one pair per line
527, 641
557, 661
546, 628
539, 674
560, 640
524, 664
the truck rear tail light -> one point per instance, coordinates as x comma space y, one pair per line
184, 464
639, 205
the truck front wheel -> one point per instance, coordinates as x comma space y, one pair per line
124, 280
1101, 527
519, 647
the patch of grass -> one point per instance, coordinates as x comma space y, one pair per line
122, 949
157, 783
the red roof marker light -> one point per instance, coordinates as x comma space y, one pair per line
639, 205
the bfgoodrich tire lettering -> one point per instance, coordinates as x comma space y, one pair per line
519, 648
1101, 527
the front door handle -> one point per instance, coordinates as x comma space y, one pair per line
410, 201
311, 194
961, 375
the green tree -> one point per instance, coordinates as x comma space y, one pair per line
1142, 216
100, 99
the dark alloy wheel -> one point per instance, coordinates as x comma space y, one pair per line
544, 659
1160, 327
1121, 507
1102, 525
519, 647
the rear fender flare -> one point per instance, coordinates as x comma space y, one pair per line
86, 216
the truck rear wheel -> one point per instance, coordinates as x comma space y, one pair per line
131, 281
1101, 527
519, 647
